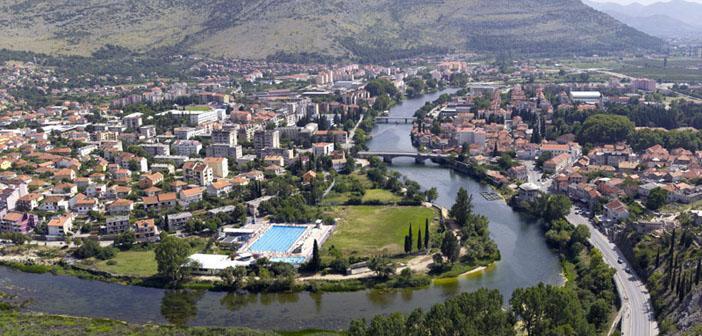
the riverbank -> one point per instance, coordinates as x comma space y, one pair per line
15, 323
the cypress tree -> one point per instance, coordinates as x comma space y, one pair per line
658, 257
316, 262
408, 244
680, 276
426, 233
672, 281
411, 238
697, 273
419, 239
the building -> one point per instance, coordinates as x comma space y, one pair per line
615, 210
528, 192
225, 137
177, 221
61, 225
557, 164
133, 121
586, 97
219, 165
146, 231
266, 139
116, 224
322, 149
120, 207
18, 222
213, 264
198, 172
156, 149
644, 84
190, 196
187, 147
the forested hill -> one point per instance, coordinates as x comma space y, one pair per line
361, 29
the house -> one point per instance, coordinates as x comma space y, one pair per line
65, 174
219, 165
528, 192
29, 201
615, 210
150, 180
190, 196
178, 220
83, 205
21, 222
116, 224
273, 160
198, 172
274, 170
213, 264
98, 190
557, 164
54, 203
61, 225
518, 173
309, 176
322, 149
120, 207
146, 231
68, 189
219, 188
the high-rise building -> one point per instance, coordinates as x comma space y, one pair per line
266, 139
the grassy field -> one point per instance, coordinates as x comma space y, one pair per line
132, 263
375, 230
380, 195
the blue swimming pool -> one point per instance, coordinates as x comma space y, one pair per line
277, 239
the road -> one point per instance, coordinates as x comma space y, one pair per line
349, 139
637, 312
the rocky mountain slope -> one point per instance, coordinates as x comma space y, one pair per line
365, 29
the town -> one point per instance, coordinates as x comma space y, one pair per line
258, 175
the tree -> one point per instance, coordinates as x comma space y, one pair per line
557, 207
411, 238
419, 239
656, 198
697, 272
382, 267
426, 233
125, 240
461, 210
431, 194
316, 262
605, 128
234, 277
172, 258
599, 313
449, 247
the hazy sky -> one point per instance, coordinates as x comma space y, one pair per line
645, 2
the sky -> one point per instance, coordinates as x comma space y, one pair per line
645, 2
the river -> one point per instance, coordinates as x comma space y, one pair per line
525, 262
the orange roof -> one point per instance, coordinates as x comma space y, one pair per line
191, 192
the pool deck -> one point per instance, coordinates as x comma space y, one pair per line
305, 242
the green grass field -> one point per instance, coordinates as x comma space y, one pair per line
131, 263
376, 230
380, 195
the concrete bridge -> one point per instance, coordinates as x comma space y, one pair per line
418, 157
395, 120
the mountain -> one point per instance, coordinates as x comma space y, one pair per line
675, 19
365, 29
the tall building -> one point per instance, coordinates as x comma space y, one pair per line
225, 137
266, 139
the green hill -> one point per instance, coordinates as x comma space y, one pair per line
368, 29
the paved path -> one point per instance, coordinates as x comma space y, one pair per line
637, 312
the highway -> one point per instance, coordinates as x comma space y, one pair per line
637, 312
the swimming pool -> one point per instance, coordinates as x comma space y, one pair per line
277, 239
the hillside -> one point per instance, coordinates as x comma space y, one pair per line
368, 29
676, 19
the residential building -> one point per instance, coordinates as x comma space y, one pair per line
61, 225
146, 231
116, 224
198, 172
20, 222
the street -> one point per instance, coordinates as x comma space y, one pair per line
637, 312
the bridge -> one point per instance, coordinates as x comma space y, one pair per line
418, 157
395, 120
